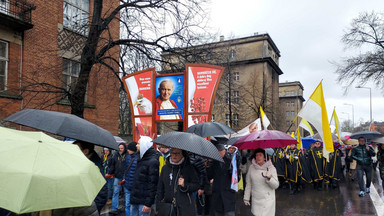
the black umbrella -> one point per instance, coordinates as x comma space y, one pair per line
64, 124
207, 129
232, 140
366, 134
189, 142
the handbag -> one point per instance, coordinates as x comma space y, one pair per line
165, 209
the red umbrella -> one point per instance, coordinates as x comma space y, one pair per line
265, 139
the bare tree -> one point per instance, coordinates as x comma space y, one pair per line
367, 35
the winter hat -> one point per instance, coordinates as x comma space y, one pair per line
220, 147
260, 150
132, 146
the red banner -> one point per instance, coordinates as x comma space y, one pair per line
139, 87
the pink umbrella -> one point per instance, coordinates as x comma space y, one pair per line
265, 139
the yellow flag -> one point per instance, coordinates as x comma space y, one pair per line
264, 119
299, 142
336, 119
315, 112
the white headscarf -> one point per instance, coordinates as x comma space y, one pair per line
145, 144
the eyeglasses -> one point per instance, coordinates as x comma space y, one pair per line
175, 153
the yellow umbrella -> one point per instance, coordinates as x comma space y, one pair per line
38, 172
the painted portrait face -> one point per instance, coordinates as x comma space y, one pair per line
166, 90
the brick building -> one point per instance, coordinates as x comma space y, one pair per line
291, 101
250, 80
40, 46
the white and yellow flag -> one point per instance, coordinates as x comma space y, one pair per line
306, 126
299, 142
264, 119
315, 112
335, 121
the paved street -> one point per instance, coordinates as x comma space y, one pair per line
341, 201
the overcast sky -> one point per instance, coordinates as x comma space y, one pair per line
308, 35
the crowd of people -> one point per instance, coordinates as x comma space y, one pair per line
166, 181
173, 182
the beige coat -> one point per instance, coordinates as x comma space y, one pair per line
261, 189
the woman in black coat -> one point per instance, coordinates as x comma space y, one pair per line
177, 182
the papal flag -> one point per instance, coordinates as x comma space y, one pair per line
315, 112
264, 119
306, 126
335, 121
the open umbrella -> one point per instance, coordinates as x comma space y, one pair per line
64, 124
366, 134
232, 140
307, 141
207, 129
189, 142
265, 139
38, 172
378, 140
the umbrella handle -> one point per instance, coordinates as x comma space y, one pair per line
262, 174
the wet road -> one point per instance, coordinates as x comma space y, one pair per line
341, 201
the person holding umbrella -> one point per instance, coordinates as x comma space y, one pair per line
363, 156
261, 184
178, 180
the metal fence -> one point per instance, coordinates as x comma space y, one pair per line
17, 8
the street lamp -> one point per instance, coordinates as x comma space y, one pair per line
353, 114
349, 122
370, 101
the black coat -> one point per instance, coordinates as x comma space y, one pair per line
168, 187
102, 196
118, 165
199, 164
223, 197
145, 179
317, 164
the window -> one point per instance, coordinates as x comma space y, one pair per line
76, 15
4, 6
227, 97
235, 119
232, 54
292, 113
71, 70
3, 65
287, 113
228, 76
236, 97
227, 119
287, 104
237, 76
212, 117
292, 93
292, 104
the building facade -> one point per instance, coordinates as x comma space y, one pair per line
250, 80
40, 46
291, 102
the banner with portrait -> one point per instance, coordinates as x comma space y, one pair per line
170, 97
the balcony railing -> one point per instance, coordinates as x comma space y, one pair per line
18, 9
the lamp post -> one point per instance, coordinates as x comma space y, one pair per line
370, 101
353, 114
348, 118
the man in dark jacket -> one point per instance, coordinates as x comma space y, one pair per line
89, 152
362, 154
317, 165
224, 198
129, 174
199, 164
117, 169
145, 179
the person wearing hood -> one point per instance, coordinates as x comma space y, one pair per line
117, 170
262, 182
145, 178
163, 152
177, 182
